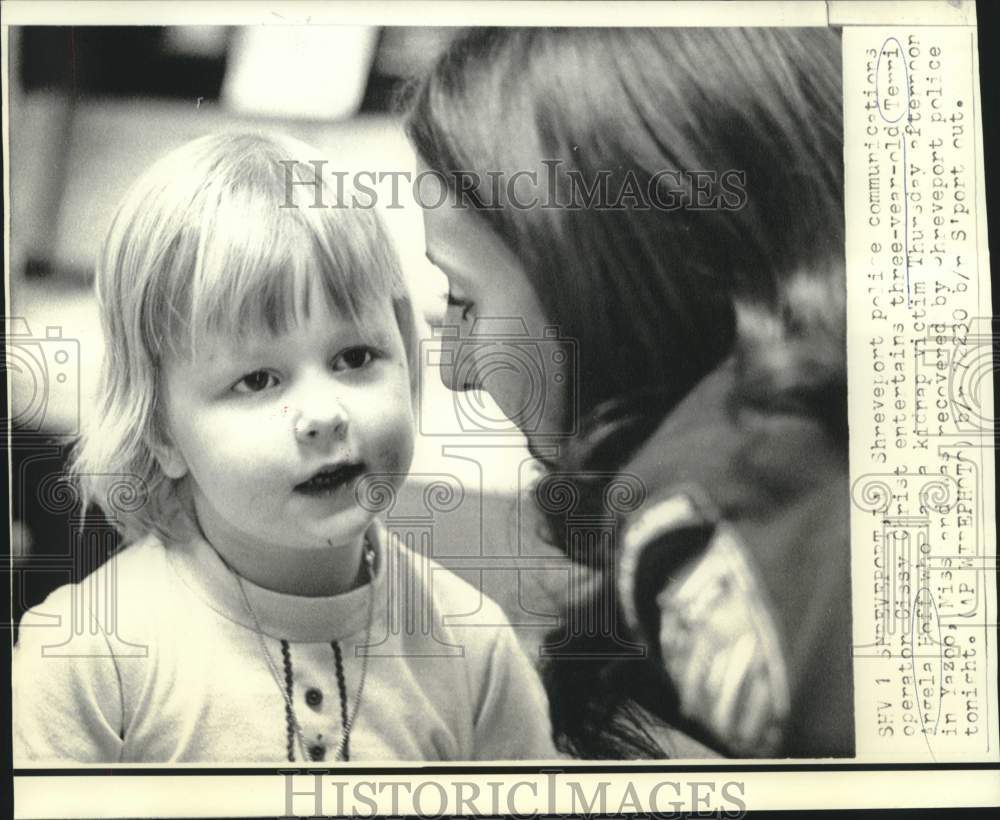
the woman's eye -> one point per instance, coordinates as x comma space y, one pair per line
256, 382
464, 305
353, 358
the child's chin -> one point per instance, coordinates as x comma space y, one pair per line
344, 527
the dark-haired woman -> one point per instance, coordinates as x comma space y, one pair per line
671, 202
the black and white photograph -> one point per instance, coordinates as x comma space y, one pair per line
425, 394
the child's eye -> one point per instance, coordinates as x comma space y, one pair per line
256, 382
464, 304
353, 358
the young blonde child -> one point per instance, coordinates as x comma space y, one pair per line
258, 372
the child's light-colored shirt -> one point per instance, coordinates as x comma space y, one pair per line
169, 667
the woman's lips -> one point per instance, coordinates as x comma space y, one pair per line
329, 480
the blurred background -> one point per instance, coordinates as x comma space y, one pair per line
90, 108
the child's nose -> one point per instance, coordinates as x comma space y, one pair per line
321, 422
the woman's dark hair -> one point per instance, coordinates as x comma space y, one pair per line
655, 296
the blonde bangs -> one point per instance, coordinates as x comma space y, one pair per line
254, 252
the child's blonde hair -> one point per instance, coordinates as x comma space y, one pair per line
215, 237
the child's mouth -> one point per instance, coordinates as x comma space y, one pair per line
330, 479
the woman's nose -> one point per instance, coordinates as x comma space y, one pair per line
321, 422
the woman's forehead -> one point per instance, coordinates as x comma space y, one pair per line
463, 245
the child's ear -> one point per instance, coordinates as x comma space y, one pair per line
170, 459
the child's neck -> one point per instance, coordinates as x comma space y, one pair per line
326, 570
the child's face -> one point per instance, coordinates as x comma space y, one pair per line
276, 431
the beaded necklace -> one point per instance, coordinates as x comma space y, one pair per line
348, 717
